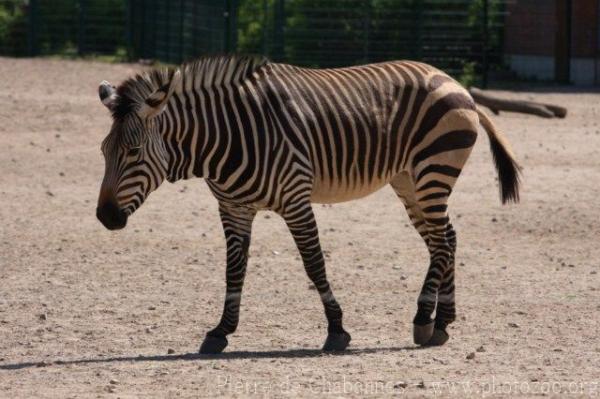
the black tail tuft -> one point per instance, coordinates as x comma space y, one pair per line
508, 172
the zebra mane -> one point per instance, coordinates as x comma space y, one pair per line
205, 72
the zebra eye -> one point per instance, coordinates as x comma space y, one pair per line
134, 151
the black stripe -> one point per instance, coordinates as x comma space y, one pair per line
455, 140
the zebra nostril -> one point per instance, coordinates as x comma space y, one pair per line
111, 216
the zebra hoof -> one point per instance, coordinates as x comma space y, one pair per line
422, 333
336, 342
439, 337
213, 345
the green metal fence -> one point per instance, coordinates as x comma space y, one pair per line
456, 35
65, 27
178, 30
460, 36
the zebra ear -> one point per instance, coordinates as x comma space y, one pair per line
157, 101
108, 94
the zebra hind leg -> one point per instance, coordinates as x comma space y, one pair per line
439, 236
404, 189
446, 306
438, 169
438, 288
302, 225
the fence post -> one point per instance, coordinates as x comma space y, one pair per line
143, 31
195, 29
32, 28
182, 56
418, 30
265, 27
367, 28
562, 42
129, 30
278, 31
233, 8
167, 32
152, 50
486, 27
81, 28
226, 32
230, 20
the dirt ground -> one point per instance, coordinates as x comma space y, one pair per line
85, 312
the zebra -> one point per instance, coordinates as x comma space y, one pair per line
272, 136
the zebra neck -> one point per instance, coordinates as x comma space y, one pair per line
190, 139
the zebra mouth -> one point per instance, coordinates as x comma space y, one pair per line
111, 216
171, 179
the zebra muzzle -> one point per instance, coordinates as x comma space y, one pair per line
111, 216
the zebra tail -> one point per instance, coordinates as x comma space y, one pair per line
506, 165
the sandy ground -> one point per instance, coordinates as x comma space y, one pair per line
85, 312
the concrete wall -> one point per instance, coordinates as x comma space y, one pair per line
532, 66
584, 71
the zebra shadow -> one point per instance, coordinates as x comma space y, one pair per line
233, 355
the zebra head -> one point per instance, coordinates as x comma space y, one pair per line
136, 159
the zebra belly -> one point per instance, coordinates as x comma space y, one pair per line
325, 192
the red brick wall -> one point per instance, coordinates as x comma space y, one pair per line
584, 28
531, 27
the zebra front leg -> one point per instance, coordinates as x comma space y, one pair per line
303, 227
237, 225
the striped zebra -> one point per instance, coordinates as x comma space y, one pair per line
269, 136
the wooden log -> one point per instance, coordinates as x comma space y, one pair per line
525, 107
557, 110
